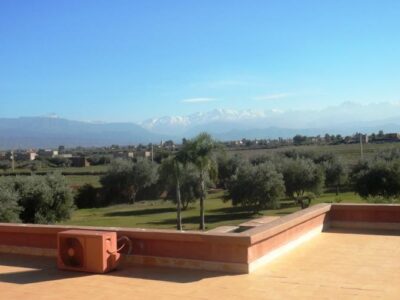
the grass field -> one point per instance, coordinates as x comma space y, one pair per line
162, 214
350, 153
76, 181
76, 177
94, 169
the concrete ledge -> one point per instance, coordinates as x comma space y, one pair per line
223, 229
257, 222
284, 223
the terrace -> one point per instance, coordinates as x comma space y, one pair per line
325, 251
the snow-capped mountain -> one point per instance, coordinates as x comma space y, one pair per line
346, 118
223, 124
181, 124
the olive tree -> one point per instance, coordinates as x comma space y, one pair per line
124, 178
228, 166
302, 176
9, 208
335, 173
43, 199
379, 178
256, 187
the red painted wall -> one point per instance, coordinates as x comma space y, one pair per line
365, 213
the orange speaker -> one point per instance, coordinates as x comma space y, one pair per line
87, 251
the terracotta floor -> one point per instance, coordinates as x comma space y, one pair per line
334, 265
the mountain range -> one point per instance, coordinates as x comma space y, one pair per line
43, 132
223, 124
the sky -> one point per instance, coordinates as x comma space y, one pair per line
133, 60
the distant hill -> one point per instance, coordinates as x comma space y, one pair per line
40, 132
228, 124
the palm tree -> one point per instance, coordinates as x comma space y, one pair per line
168, 166
180, 160
178, 195
199, 151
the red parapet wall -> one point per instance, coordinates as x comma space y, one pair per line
232, 252
225, 248
287, 230
370, 213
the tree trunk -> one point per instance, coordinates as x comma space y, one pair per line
185, 205
202, 196
337, 190
133, 197
178, 205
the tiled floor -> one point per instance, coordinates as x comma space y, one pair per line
333, 265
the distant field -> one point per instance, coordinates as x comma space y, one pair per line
90, 169
79, 180
162, 214
75, 176
350, 153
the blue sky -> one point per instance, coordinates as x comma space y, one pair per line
132, 60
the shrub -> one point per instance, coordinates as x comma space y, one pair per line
9, 208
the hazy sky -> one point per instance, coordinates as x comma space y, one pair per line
131, 60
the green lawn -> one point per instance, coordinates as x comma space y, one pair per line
162, 214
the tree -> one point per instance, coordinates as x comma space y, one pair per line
335, 173
390, 154
256, 187
9, 208
380, 178
200, 151
227, 167
189, 187
87, 196
299, 139
124, 179
5, 165
97, 159
169, 166
143, 174
44, 199
302, 175
115, 181
59, 161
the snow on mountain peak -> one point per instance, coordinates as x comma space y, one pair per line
181, 123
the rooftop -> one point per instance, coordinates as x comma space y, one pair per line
340, 264
347, 260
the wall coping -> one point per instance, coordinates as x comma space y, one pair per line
159, 234
363, 205
277, 226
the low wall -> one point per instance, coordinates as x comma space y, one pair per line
226, 251
279, 236
240, 252
365, 216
